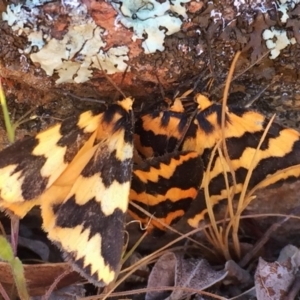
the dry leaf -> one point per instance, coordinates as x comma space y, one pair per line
290, 252
39, 277
261, 23
173, 270
273, 280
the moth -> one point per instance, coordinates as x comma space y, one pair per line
79, 172
158, 131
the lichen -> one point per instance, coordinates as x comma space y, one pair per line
151, 20
276, 40
73, 56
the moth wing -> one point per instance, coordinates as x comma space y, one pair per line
88, 223
29, 167
165, 187
243, 132
158, 132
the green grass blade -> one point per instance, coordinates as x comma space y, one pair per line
8, 125
20, 281
6, 254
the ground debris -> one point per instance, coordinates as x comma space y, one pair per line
173, 270
273, 280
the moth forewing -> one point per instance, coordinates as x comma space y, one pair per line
31, 166
88, 224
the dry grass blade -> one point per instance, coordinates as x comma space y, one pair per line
235, 221
130, 270
230, 197
54, 285
153, 257
257, 96
3, 293
145, 290
217, 235
223, 118
150, 259
2, 230
242, 72
230, 194
130, 252
214, 235
206, 181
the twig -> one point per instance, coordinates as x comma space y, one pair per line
54, 284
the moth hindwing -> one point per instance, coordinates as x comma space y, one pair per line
79, 172
243, 131
165, 186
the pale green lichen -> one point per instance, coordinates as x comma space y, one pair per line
276, 40
111, 58
72, 57
151, 20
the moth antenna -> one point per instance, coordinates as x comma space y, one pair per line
123, 77
160, 86
250, 66
211, 59
260, 93
186, 128
84, 98
110, 81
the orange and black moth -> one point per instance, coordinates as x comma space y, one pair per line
158, 131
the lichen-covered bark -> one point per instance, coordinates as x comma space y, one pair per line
204, 47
